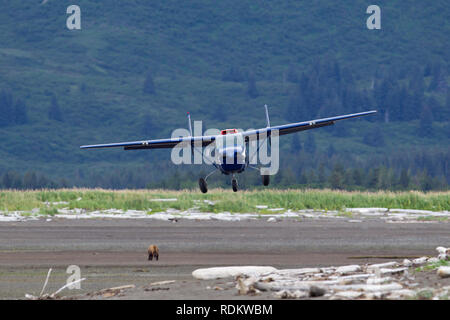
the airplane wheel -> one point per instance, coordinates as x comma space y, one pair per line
234, 185
266, 180
203, 186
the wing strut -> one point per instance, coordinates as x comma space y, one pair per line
190, 125
267, 116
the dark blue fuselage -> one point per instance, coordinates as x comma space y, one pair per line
231, 159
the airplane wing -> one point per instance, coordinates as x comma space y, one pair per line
206, 140
305, 125
156, 144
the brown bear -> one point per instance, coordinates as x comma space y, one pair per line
153, 251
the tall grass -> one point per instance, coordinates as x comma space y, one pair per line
225, 200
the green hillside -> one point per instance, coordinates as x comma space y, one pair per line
305, 60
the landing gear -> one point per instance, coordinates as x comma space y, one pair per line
203, 185
265, 179
234, 184
202, 182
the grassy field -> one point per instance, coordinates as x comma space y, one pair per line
217, 200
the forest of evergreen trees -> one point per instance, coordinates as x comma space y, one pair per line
304, 167
398, 94
339, 178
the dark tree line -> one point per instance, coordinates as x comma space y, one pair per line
29, 181
417, 169
305, 169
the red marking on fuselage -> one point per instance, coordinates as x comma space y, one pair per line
228, 131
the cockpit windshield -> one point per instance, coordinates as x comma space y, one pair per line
230, 140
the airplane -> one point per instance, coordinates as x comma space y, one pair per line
230, 160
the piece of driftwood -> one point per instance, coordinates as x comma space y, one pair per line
225, 272
160, 283
43, 296
46, 281
348, 269
66, 286
443, 272
128, 286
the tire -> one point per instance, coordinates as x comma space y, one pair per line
203, 185
234, 185
266, 180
